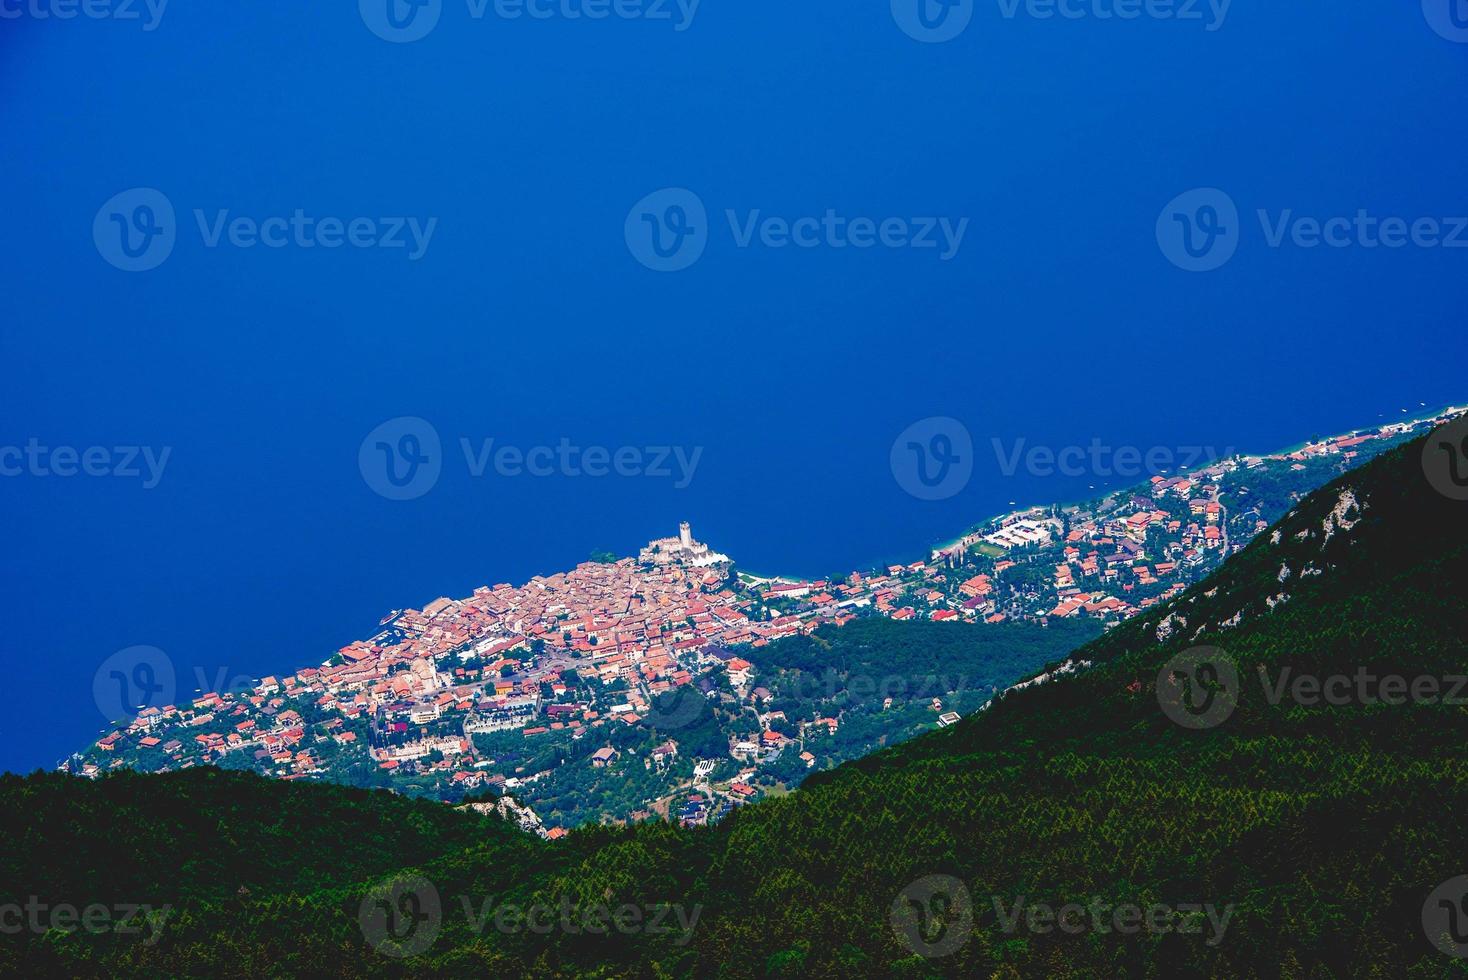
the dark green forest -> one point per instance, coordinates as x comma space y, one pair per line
1288, 824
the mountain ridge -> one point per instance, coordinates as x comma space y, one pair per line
551, 691
1321, 830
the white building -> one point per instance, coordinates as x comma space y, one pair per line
1018, 534
682, 550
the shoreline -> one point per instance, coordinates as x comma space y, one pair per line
1407, 419
750, 577
755, 578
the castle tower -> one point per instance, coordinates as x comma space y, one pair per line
685, 534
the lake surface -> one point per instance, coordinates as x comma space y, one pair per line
533, 299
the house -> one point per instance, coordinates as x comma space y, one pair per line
787, 590
977, 586
740, 671
468, 780
665, 753
743, 749
603, 757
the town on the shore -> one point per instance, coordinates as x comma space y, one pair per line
455, 698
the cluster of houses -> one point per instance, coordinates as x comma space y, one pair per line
539, 658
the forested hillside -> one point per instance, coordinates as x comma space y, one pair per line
1236, 811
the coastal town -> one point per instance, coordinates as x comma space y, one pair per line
572, 692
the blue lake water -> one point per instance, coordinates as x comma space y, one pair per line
572, 276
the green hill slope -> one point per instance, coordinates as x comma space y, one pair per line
1274, 834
